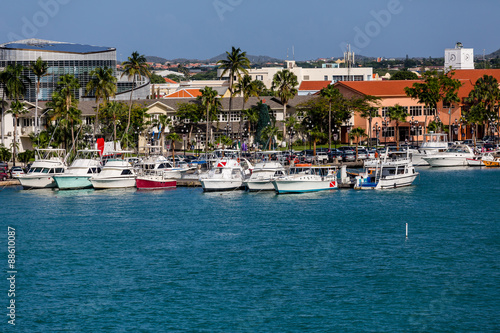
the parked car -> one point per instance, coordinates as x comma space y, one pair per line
349, 156
16, 171
322, 150
3, 176
371, 153
333, 155
321, 157
490, 138
362, 154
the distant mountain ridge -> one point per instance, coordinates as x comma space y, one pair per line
260, 59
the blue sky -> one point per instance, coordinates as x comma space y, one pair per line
200, 29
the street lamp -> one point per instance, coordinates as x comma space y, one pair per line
385, 124
137, 132
455, 128
376, 128
414, 127
291, 133
184, 131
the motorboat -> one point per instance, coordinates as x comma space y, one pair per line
307, 178
227, 174
262, 175
161, 163
454, 156
49, 162
154, 179
432, 143
117, 172
392, 171
492, 160
479, 160
87, 163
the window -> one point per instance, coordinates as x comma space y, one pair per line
358, 78
223, 117
326, 77
388, 133
416, 110
306, 77
385, 111
259, 77
428, 111
336, 78
235, 116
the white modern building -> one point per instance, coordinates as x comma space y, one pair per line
326, 73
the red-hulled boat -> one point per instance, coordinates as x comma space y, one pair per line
154, 180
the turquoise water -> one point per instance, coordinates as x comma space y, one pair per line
187, 261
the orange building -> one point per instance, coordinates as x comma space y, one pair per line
393, 92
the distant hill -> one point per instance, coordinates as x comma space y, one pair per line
493, 54
158, 60
260, 59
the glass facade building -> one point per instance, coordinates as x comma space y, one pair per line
61, 58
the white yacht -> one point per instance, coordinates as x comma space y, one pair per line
454, 156
397, 171
87, 163
160, 163
117, 172
48, 163
262, 175
432, 143
307, 178
227, 174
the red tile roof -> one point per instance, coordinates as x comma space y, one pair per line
167, 80
313, 85
475, 74
389, 88
184, 93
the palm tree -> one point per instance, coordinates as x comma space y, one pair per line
15, 81
235, 64
163, 122
212, 105
357, 133
483, 101
173, 137
16, 108
398, 114
39, 68
247, 89
113, 107
103, 84
426, 93
285, 84
134, 66
333, 96
67, 84
366, 107
270, 132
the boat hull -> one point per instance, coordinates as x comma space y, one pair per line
116, 182
37, 181
446, 161
396, 182
262, 185
491, 164
72, 182
474, 162
148, 183
214, 185
300, 186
